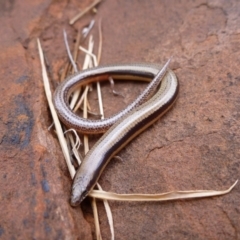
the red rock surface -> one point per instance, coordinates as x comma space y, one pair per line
194, 146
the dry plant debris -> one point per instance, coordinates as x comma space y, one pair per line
80, 97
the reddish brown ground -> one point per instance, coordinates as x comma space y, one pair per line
195, 146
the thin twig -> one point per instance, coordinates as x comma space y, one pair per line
90, 54
79, 15
98, 85
75, 51
64, 72
87, 29
54, 114
96, 219
75, 151
85, 138
100, 41
72, 60
81, 99
100, 102
168, 196
85, 66
109, 213
112, 87
68, 51
76, 45
78, 142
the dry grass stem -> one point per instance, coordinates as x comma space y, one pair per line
112, 84
78, 142
85, 139
168, 196
90, 54
56, 121
68, 52
75, 149
64, 72
96, 219
79, 103
69, 135
100, 41
88, 61
100, 102
79, 15
85, 66
50, 127
77, 43
98, 84
87, 29
109, 214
